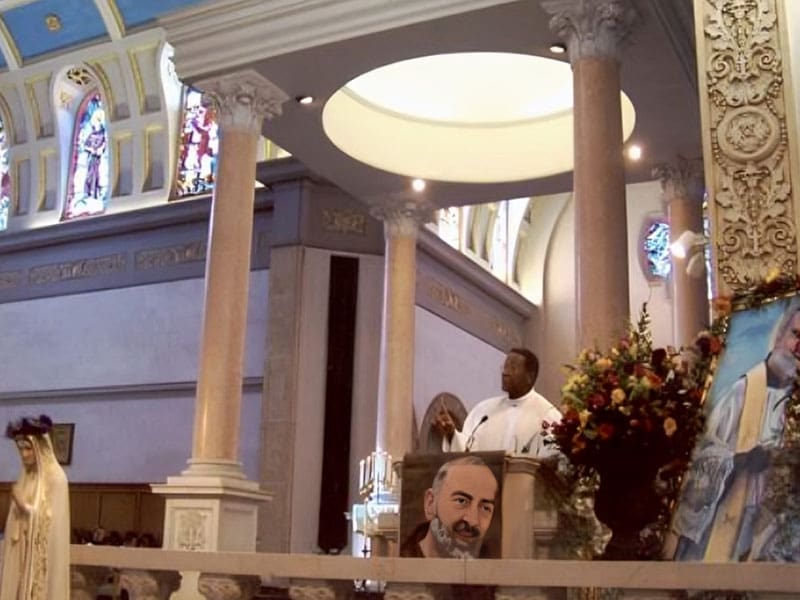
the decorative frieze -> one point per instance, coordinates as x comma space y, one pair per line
77, 269
746, 140
157, 258
340, 220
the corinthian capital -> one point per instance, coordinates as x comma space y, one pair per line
680, 180
402, 214
244, 99
592, 28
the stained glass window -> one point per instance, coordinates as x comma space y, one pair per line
656, 250
197, 158
5, 180
89, 170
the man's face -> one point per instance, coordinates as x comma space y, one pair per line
516, 381
462, 511
26, 453
786, 353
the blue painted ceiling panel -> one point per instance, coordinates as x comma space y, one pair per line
80, 22
139, 12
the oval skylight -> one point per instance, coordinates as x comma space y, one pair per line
467, 117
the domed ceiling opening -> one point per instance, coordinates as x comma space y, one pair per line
471, 117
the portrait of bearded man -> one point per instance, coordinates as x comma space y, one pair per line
459, 508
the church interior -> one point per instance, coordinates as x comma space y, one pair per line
421, 186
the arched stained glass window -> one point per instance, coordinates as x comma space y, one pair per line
89, 168
655, 246
197, 158
5, 179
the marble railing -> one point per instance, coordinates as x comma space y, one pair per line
152, 574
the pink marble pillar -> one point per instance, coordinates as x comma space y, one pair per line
594, 31
211, 505
682, 184
402, 218
243, 99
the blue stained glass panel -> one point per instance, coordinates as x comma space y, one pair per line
656, 249
5, 180
89, 172
197, 159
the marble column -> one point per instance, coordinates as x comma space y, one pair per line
211, 505
682, 184
594, 31
402, 218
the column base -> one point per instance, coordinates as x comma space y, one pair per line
211, 506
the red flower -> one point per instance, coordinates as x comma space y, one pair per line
605, 431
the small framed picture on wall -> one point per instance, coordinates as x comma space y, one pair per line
62, 436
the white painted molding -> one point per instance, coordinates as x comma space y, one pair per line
223, 35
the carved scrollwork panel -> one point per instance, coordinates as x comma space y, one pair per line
754, 225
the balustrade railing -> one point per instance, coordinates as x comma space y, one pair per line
152, 574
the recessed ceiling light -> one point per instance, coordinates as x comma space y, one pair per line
418, 185
558, 48
304, 99
634, 152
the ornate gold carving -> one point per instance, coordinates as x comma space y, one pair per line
754, 221
80, 76
178, 254
192, 526
83, 268
10, 279
52, 22
448, 298
340, 220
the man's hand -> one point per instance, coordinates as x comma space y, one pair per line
443, 424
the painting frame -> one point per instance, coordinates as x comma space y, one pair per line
418, 473
62, 435
731, 498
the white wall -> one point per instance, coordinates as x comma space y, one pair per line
127, 336
644, 200
138, 439
143, 335
447, 359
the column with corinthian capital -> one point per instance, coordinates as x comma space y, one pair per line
594, 31
402, 217
211, 505
682, 184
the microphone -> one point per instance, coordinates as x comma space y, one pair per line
527, 447
471, 438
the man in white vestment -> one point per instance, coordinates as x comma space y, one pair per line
722, 515
511, 422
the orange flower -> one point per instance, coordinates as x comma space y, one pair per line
670, 426
722, 305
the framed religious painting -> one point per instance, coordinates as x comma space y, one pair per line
450, 505
739, 500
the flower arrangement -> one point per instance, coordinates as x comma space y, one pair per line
632, 416
635, 400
